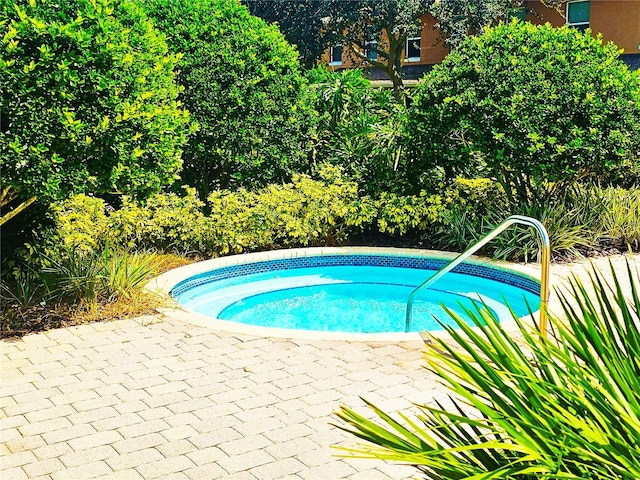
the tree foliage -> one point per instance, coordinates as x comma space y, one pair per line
242, 84
458, 19
387, 22
314, 25
530, 105
89, 100
300, 21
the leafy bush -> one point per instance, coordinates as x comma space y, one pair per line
531, 408
312, 212
399, 214
528, 105
88, 100
165, 223
359, 128
242, 84
304, 212
477, 197
80, 223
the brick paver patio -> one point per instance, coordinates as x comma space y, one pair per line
158, 398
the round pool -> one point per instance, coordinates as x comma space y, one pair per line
353, 290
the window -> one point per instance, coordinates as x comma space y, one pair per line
335, 55
369, 50
519, 12
578, 14
412, 50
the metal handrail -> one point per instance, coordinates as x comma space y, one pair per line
544, 260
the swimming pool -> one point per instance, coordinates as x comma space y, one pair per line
348, 290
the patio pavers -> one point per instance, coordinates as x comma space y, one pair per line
155, 397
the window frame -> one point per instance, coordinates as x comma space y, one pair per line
407, 58
333, 62
582, 26
368, 52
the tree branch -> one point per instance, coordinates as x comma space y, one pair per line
5, 218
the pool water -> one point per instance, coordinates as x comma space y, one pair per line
343, 298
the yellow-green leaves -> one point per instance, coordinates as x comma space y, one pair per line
68, 70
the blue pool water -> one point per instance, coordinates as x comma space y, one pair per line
349, 298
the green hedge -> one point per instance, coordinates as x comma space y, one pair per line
527, 105
89, 100
305, 212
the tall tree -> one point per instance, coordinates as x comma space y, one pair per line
378, 26
457, 19
313, 25
381, 27
300, 22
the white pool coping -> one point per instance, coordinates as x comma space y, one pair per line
164, 283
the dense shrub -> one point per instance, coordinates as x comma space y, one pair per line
527, 105
400, 214
242, 84
303, 213
165, 223
89, 100
476, 197
329, 211
359, 128
81, 223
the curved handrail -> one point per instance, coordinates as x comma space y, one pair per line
544, 260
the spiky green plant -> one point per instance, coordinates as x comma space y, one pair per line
567, 407
73, 274
89, 276
125, 272
619, 218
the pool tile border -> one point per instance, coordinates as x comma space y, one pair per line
354, 259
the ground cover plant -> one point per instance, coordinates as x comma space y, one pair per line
73, 285
581, 221
562, 407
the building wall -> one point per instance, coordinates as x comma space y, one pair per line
542, 14
432, 50
432, 47
617, 20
